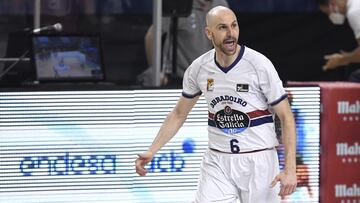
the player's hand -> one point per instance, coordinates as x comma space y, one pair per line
141, 161
288, 182
334, 61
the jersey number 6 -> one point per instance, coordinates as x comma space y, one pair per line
233, 146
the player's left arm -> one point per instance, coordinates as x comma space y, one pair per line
287, 178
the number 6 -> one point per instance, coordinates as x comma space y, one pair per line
233, 146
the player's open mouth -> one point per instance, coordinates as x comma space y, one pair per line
229, 43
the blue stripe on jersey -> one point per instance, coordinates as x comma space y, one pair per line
190, 96
279, 100
260, 121
225, 70
253, 123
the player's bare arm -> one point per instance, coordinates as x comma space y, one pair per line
169, 128
287, 177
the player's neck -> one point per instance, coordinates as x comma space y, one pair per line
225, 60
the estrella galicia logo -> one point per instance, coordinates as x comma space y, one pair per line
172, 162
231, 121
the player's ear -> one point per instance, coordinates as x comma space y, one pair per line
208, 33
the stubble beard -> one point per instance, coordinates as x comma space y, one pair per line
226, 52
222, 48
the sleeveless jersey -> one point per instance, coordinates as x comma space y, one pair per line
239, 98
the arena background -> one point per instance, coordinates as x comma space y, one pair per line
293, 34
77, 142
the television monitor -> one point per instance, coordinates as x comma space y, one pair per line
67, 58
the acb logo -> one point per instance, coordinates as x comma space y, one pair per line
172, 162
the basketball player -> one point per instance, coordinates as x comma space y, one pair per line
242, 90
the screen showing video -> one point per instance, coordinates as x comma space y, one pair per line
67, 58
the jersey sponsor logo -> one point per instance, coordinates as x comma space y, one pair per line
224, 98
242, 87
210, 84
231, 121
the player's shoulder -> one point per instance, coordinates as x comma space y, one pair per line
256, 58
252, 54
202, 60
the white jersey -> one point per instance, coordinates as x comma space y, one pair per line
238, 99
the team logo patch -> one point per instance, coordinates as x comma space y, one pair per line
210, 84
242, 87
231, 121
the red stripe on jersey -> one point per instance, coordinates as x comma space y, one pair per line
252, 114
258, 113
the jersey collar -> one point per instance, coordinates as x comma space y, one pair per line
225, 70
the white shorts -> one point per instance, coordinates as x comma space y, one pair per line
228, 178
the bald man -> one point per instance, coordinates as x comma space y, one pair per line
243, 91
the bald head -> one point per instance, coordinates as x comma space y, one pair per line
217, 13
223, 30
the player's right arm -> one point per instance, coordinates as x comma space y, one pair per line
169, 128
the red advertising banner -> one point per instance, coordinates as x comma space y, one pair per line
340, 143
